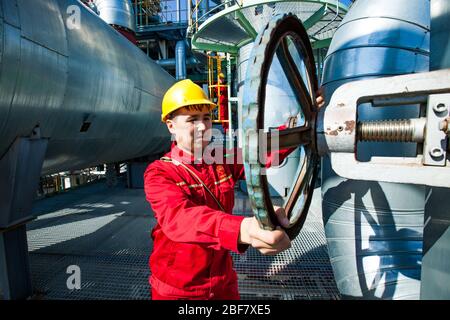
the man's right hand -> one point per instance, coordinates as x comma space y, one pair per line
320, 100
267, 242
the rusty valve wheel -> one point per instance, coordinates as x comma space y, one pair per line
283, 44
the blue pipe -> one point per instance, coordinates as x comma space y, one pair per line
180, 57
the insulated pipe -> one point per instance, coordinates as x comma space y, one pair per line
436, 251
440, 39
117, 12
374, 229
93, 94
120, 15
180, 57
171, 63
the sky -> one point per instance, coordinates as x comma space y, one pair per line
346, 2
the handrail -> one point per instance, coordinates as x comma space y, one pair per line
331, 21
195, 20
195, 10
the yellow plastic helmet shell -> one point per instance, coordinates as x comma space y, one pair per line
221, 75
181, 94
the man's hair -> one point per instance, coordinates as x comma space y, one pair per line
194, 107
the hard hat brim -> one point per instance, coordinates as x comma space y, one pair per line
191, 103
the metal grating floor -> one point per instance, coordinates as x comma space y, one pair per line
106, 233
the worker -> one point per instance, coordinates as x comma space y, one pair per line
222, 101
192, 202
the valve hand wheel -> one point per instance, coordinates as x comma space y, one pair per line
279, 89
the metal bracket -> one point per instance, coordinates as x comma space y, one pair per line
435, 145
337, 129
20, 167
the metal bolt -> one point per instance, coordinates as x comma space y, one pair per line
436, 153
440, 107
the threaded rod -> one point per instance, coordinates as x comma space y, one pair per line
390, 130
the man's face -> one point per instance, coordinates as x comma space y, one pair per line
191, 128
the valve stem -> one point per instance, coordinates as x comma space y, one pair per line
405, 130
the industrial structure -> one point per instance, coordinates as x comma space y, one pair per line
81, 87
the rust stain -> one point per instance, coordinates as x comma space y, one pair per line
332, 133
350, 126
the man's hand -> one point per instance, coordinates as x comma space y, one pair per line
320, 101
281, 215
267, 242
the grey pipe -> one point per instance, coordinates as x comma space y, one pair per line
440, 38
374, 230
116, 12
436, 252
180, 57
94, 95
170, 64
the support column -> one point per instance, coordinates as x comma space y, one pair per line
111, 175
15, 276
20, 171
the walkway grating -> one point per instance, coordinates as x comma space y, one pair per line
106, 233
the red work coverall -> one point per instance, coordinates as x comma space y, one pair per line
192, 237
223, 106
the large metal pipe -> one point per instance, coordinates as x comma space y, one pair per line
440, 39
436, 251
117, 12
373, 229
93, 94
180, 57
171, 63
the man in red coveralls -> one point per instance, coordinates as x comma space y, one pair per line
196, 230
222, 101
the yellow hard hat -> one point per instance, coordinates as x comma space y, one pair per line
221, 75
181, 94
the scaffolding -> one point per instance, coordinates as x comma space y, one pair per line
200, 10
146, 11
151, 12
214, 85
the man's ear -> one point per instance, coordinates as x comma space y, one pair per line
170, 126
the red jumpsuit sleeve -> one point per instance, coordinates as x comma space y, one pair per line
182, 220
